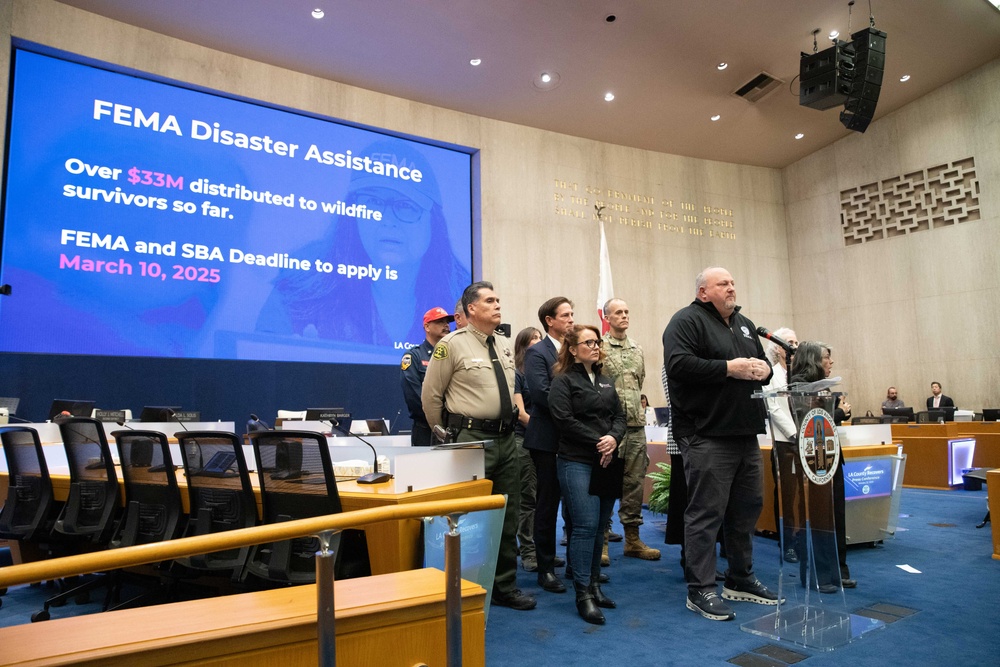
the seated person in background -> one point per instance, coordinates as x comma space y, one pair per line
648, 413
891, 400
843, 411
938, 400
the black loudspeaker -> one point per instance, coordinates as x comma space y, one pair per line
866, 79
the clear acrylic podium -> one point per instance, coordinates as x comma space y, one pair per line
815, 613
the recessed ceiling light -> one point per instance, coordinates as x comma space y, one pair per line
546, 80
799, 135
318, 13
904, 78
475, 62
609, 96
716, 117
721, 66
834, 34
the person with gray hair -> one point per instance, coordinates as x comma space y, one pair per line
715, 362
783, 437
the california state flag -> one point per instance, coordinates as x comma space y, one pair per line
605, 288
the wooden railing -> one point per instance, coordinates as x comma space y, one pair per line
112, 559
323, 527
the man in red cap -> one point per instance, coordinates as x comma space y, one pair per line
437, 323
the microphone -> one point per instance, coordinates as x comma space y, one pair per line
374, 477
764, 333
173, 415
392, 426
255, 424
20, 419
121, 423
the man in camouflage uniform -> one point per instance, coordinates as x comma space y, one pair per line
625, 363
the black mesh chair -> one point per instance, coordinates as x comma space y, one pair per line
30, 510
221, 495
94, 501
153, 509
297, 482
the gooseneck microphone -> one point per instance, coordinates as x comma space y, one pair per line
764, 333
374, 477
173, 415
121, 423
255, 424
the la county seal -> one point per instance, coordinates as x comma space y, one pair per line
819, 446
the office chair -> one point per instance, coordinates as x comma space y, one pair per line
296, 481
30, 510
153, 510
93, 503
221, 495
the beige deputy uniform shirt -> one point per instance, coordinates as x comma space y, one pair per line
461, 376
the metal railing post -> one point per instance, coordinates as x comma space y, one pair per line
453, 590
326, 634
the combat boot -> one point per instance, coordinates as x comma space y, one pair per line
636, 548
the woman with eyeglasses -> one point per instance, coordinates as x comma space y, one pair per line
591, 423
814, 361
411, 240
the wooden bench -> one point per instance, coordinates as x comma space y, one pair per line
390, 619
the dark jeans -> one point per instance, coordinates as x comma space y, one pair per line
546, 508
504, 469
590, 514
725, 488
784, 459
526, 520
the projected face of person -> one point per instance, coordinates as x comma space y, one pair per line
402, 236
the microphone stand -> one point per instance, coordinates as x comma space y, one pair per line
374, 477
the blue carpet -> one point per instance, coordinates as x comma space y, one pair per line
955, 596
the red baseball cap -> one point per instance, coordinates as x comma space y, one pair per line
438, 313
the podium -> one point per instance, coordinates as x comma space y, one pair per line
814, 614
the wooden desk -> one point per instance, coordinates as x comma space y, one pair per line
993, 494
395, 619
987, 436
927, 452
766, 521
393, 546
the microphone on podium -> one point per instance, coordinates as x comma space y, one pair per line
764, 333
374, 477
255, 424
173, 415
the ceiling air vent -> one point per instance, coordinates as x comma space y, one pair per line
758, 87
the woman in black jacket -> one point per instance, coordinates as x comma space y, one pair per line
814, 361
585, 408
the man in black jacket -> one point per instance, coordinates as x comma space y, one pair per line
714, 363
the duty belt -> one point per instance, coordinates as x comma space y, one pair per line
487, 425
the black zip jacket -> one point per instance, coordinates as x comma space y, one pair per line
584, 412
696, 345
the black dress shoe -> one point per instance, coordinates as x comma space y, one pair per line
849, 583
558, 561
550, 582
791, 556
614, 537
514, 599
828, 588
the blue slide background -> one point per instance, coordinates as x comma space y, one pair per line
251, 312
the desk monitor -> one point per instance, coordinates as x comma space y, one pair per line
158, 413
899, 412
991, 414
662, 416
220, 463
11, 404
377, 427
75, 407
932, 416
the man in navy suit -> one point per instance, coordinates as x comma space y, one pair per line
541, 438
938, 400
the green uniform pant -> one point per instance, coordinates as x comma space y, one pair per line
504, 469
633, 450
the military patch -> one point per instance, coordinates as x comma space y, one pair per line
441, 351
407, 360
